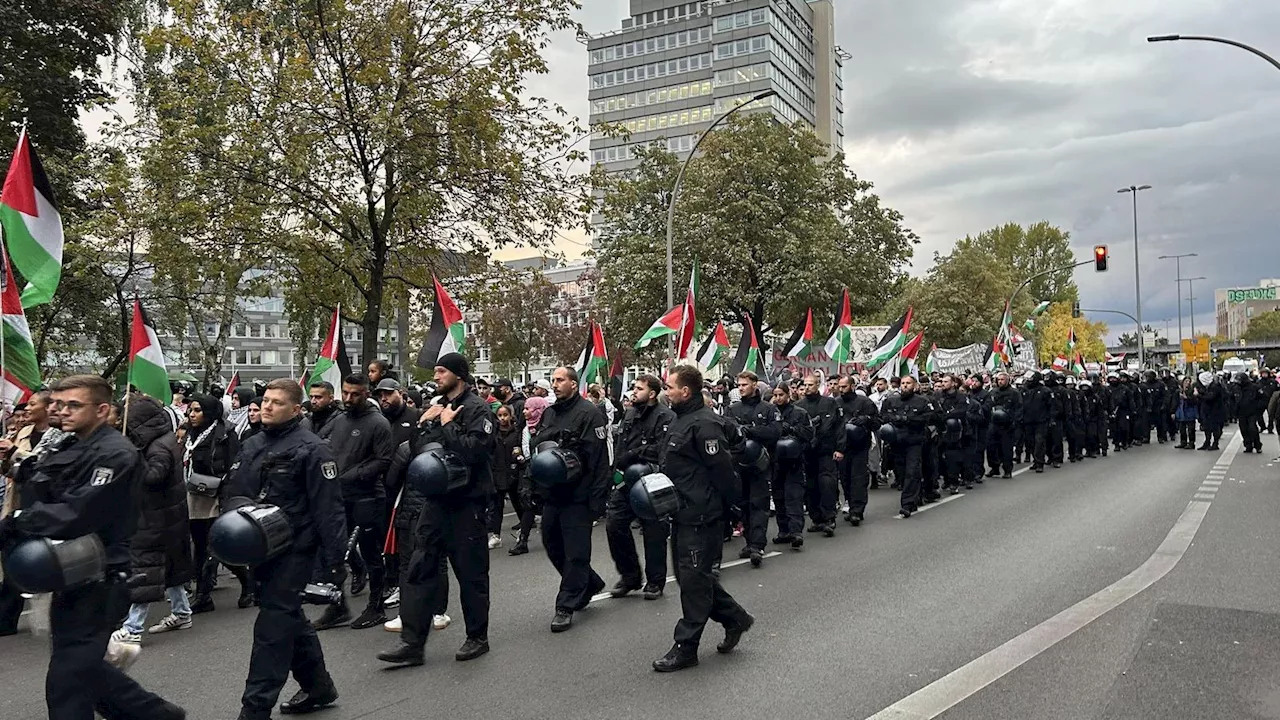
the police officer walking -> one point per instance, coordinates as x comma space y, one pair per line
86, 489
568, 510
857, 410
788, 471
696, 459
288, 466
758, 422
1006, 411
640, 440
910, 414
452, 520
819, 458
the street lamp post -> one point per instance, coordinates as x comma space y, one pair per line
1191, 299
1137, 275
675, 189
1206, 38
1178, 261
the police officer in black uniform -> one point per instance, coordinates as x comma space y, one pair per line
819, 460
86, 488
451, 524
1003, 426
911, 414
640, 439
1035, 419
758, 421
696, 459
288, 466
980, 406
568, 511
855, 475
953, 419
788, 473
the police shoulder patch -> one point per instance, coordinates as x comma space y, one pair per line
488, 426
712, 446
601, 432
329, 470
101, 476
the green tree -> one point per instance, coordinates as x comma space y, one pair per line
1131, 338
960, 300
776, 225
1263, 327
1055, 325
1030, 250
388, 137
516, 322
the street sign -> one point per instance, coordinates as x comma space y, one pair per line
1196, 350
1149, 339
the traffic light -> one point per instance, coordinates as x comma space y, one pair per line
1100, 257
1075, 307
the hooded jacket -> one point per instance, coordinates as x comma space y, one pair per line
161, 546
363, 445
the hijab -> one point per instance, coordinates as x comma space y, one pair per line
211, 408
533, 409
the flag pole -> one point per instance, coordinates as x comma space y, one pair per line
4, 255
128, 375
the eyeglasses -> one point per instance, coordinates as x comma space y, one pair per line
71, 405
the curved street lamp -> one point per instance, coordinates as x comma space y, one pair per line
1206, 38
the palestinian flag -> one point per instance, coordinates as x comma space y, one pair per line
912, 349
1071, 340
21, 373
1015, 337
904, 362
995, 354
931, 365
668, 324
714, 348
147, 372
233, 383
615, 377
326, 368
447, 334
1040, 308
689, 314
32, 224
839, 345
747, 358
1077, 364
801, 343
1029, 325
594, 359
892, 342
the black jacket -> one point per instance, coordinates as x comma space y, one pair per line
1036, 402
316, 421
910, 416
85, 487
362, 444
642, 435
857, 410
579, 426
1213, 410
161, 547
290, 467
696, 458
403, 422
471, 435
827, 419
758, 420
953, 405
506, 466
1009, 399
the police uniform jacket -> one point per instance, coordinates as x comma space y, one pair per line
758, 420
86, 487
362, 445
696, 459
827, 419
1035, 402
953, 405
293, 469
980, 410
578, 426
910, 416
641, 435
1009, 399
471, 434
794, 422
858, 410
1057, 402
1153, 392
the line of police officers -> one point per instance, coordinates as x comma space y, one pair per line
726, 469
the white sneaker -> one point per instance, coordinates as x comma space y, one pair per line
393, 600
172, 622
393, 625
494, 541
127, 638
440, 622
122, 655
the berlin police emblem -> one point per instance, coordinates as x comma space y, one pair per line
712, 446
329, 470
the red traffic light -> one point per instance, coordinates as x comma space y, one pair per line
1100, 257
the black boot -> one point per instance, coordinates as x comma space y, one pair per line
247, 598
402, 654
678, 657
373, 614
304, 702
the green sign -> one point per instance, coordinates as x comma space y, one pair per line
1239, 295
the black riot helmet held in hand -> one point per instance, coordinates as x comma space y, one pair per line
553, 466
436, 471
249, 534
41, 565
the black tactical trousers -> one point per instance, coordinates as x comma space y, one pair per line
1000, 449
696, 550
80, 681
976, 450
909, 459
1187, 433
283, 639
622, 545
855, 478
1249, 429
952, 456
1054, 440
1037, 435
566, 535
821, 486
755, 490
788, 496
456, 532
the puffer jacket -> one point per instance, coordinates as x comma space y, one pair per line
161, 547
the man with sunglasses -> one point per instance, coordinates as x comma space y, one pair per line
86, 488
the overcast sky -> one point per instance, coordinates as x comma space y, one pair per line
971, 113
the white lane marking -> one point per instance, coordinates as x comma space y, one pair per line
672, 578
1212, 482
1208, 489
933, 505
1202, 496
948, 691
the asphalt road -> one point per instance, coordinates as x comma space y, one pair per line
851, 625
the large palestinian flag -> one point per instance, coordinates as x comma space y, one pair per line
714, 348
32, 224
448, 332
747, 358
800, 345
594, 360
892, 341
21, 374
668, 324
839, 345
326, 368
147, 370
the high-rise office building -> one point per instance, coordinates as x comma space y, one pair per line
674, 67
